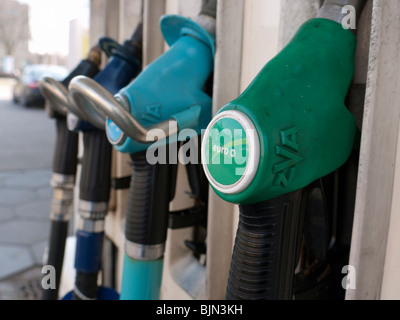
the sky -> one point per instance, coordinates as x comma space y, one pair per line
49, 22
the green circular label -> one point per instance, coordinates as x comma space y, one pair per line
226, 151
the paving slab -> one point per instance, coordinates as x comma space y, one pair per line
28, 145
4, 175
6, 213
14, 259
38, 251
28, 180
10, 196
22, 286
36, 209
45, 193
24, 231
7, 174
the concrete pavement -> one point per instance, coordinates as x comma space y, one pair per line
25, 198
27, 139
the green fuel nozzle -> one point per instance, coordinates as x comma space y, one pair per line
290, 126
263, 150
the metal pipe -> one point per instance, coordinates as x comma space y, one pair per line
333, 9
54, 92
61, 101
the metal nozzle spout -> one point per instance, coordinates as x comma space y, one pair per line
60, 99
95, 99
333, 9
56, 93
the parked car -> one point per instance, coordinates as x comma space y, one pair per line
26, 91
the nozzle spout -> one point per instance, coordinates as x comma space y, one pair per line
55, 92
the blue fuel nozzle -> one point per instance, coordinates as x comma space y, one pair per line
123, 65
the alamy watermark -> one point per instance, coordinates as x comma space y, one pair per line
349, 20
49, 278
349, 281
224, 147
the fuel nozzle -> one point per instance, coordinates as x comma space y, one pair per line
291, 126
124, 64
64, 162
56, 93
152, 101
166, 96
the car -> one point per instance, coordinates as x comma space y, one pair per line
26, 91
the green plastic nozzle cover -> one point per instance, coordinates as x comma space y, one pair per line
290, 126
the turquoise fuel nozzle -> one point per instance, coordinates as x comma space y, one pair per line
171, 88
167, 95
290, 126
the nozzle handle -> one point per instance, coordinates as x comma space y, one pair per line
266, 248
66, 150
56, 93
88, 67
96, 167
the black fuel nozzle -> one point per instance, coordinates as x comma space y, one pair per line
88, 66
64, 163
54, 92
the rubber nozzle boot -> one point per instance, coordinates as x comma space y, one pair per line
290, 126
171, 87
